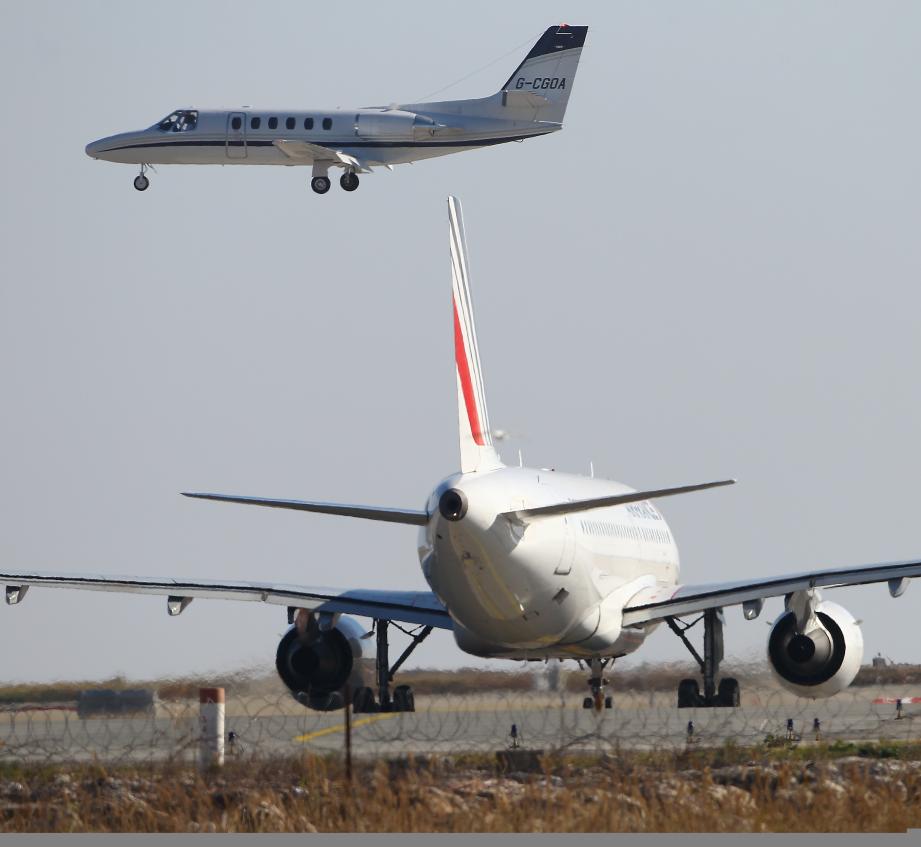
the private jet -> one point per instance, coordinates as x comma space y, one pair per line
524, 564
530, 103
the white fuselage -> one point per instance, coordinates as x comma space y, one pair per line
551, 586
376, 136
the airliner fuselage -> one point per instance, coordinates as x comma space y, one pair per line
548, 586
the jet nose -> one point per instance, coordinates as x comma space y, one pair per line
95, 148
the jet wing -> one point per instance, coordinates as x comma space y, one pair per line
304, 151
690, 599
412, 607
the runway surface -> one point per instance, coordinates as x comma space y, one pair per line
458, 724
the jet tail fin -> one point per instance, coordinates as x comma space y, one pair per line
542, 83
476, 448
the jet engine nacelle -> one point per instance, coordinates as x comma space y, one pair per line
317, 664
821, 662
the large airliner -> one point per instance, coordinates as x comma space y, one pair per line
525, 563
531, 102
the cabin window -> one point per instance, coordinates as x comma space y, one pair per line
308, 123
289, 124
182, 120
273, 123
236, 123
255, 123
327, 123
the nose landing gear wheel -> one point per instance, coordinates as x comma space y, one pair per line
141, 183
349, 181
320, 184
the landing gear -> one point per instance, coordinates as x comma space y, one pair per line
349, 181
597, 682
320, 184
689, 694
402, 699
141, 183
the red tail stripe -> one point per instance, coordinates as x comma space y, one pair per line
463, 368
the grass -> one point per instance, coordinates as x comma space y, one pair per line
728, 789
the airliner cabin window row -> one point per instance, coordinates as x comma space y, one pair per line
273, 123
236, 123
308, 123
255, 123
626, 532
182, 120
327, 123
289, 123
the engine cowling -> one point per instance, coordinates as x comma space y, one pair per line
819, 663
317, 664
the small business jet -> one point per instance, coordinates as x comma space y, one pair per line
525, 563
532, 102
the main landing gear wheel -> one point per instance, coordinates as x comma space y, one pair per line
725, 694
403, 700
363, 701
320, 184
349, 181
141, 183
728, 692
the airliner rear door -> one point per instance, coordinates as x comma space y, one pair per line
236, 135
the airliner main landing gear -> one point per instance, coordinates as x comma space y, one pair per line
141, 183
597, 682
727, 692
401, 700
349, 181
320, 184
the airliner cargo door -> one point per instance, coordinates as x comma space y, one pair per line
236, 135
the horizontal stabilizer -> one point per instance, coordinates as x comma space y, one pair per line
614, 500
373, 513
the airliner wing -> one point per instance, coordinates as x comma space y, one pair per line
304, 151
412, 607
690, 599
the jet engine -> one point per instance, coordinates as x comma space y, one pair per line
819, 662
316, 662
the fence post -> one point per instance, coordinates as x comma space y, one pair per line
348, 732
211, 723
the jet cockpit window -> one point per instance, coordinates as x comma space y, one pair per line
182, 120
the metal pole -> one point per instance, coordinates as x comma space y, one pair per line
348, 732
211, 723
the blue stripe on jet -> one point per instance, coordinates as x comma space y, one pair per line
484, 142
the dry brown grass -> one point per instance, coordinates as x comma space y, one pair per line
717, 791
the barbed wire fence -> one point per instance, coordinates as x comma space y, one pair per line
274, 724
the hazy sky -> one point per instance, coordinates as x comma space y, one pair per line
713, 270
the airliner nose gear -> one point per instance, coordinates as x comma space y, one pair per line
453, 504
349, 181
320, 184
597, 682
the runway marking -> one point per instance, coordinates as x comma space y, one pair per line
329, 730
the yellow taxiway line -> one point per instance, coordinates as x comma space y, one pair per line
329, 730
